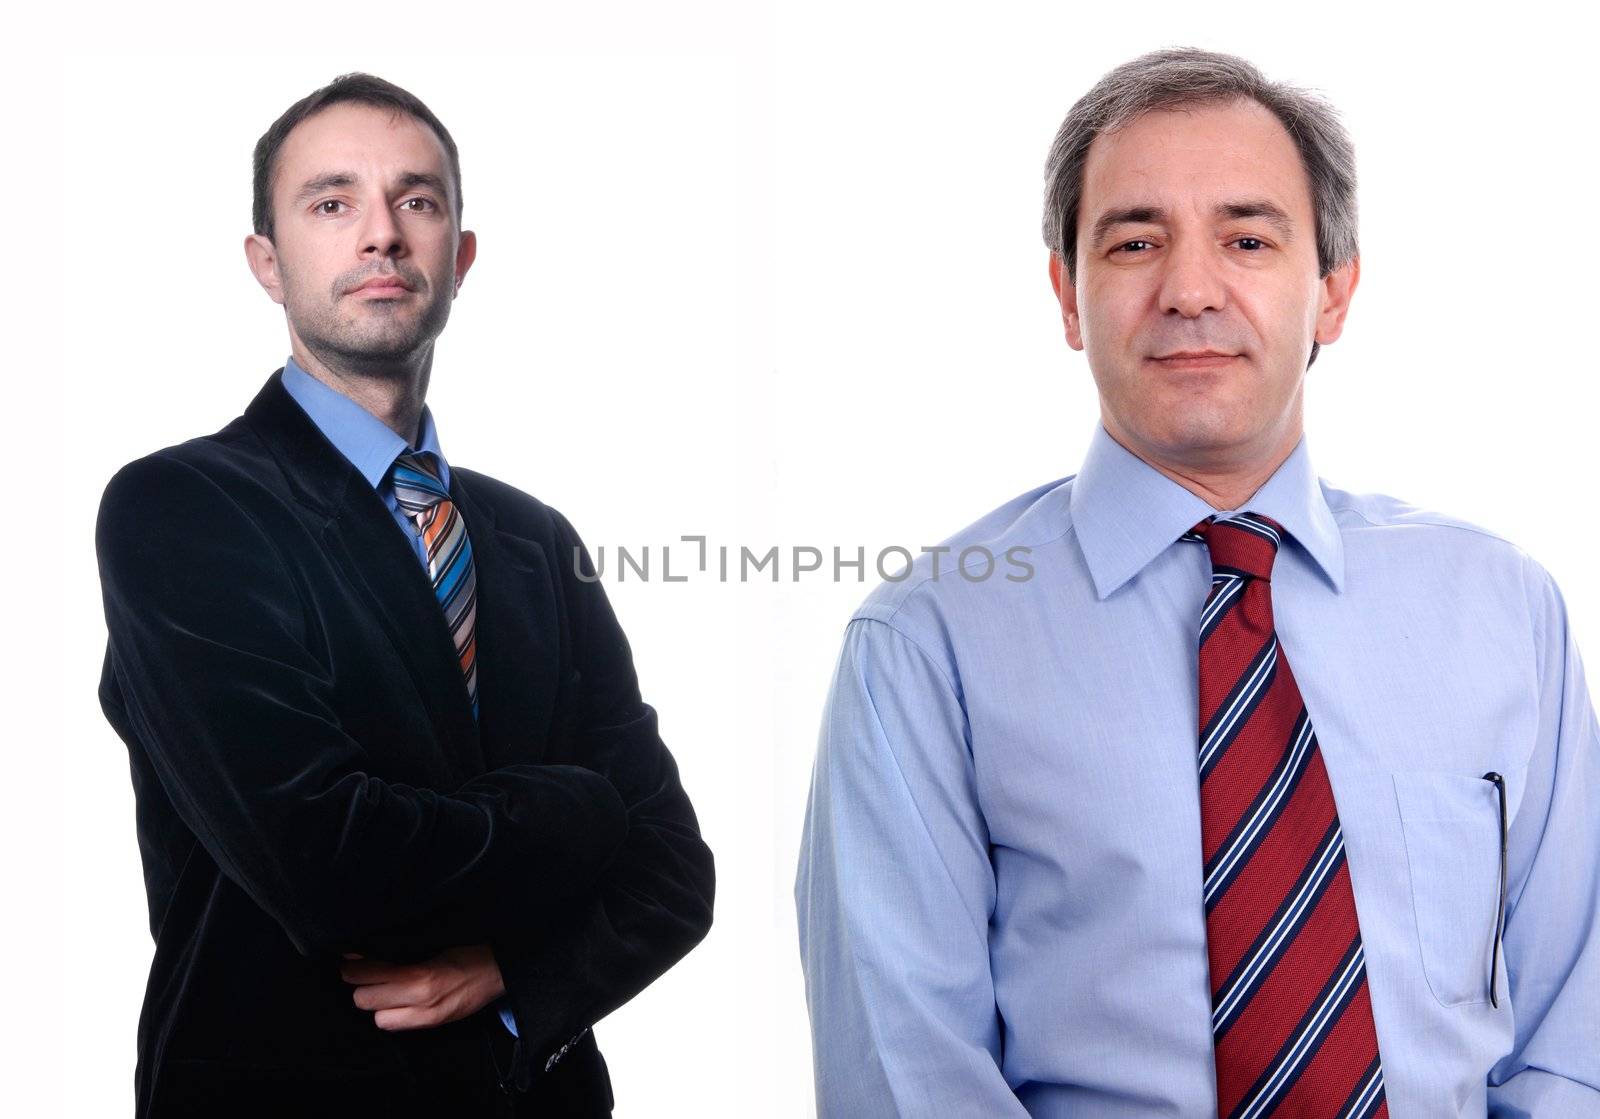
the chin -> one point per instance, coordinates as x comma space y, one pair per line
1196, 431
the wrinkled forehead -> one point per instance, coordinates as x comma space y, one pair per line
361, 142
1185, 161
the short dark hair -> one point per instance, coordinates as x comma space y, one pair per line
364, 89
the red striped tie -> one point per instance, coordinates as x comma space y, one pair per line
1291, 1014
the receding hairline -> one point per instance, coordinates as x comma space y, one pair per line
440, 182
1237, 209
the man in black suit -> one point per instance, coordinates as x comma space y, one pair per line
408, 828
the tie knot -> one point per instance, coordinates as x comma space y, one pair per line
416, 481
1245, 543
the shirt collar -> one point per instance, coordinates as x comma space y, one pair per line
370, 444
1125, 512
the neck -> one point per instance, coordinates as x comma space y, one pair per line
1225, 482
393, 391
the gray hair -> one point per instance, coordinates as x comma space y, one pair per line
1175, 77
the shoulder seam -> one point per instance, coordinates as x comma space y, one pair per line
272, 541
926, 579
1476, 530
955, 692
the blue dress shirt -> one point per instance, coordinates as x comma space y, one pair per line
372, 446
999, 887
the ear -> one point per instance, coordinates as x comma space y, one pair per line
1067, 296
262, 256
466, 253
1334, 299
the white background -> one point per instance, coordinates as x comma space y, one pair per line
788, 256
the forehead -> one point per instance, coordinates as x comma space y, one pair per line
372, 141
1187, 159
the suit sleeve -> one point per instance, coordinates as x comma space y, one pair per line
208, 633
1552, 928
652, 902
894, 894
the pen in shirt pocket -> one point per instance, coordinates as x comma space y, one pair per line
1500, 906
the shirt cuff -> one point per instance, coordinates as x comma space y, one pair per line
507, 1017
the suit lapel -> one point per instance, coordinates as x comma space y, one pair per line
360, 535
519, 642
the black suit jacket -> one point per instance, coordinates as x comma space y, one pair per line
309, 780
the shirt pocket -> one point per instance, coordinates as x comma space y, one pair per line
1451, 824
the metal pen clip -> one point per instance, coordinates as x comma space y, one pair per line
1500, 910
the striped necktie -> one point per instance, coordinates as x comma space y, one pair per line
1291, 1017
444, 533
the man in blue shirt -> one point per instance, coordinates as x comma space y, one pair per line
408, 827
1005, 887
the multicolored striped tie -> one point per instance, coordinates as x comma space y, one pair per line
1291, 1018
444, 532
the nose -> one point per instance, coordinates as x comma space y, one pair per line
380, 233
1190, 279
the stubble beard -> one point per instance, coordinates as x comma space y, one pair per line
372, 339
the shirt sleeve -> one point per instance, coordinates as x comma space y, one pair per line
894, 893
1552, 925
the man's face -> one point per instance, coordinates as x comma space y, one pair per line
361, 192
1222, 258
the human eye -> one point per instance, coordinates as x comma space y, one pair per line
326, 202
431, 203
1247, 237
1125, 244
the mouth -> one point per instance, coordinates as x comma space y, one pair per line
386, 287
1194, 360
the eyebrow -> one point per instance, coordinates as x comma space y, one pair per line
331, 180
1232, 211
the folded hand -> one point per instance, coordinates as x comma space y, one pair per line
452, 985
